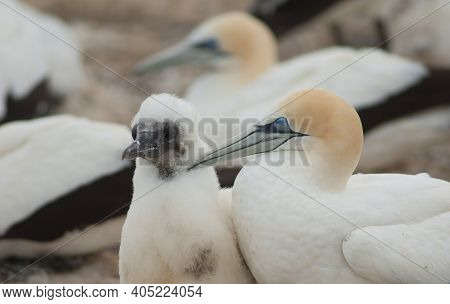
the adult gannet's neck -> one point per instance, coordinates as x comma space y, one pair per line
311, 172
253, 64
332, 166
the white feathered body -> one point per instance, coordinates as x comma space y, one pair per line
360, 76
43, 159
176, 231
292, 232
426, 243
363, 77
30, 54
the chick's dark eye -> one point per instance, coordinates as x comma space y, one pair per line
134, 132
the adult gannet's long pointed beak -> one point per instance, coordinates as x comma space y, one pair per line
175, 55
181, 53
263, 139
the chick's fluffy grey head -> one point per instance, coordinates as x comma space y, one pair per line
164, 134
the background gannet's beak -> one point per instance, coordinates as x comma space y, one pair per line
175, 55
184, 52
255, 142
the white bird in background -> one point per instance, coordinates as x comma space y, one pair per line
390, 142
60, 176
308, 219
247, 82
178, 228
36, 68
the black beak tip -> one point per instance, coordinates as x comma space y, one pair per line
126, 155
131, 152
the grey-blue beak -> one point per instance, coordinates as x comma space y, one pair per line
182, 53
264, 138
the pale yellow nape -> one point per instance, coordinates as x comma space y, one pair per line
248, 40
335, 129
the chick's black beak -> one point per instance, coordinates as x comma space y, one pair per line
132, 151
152, 140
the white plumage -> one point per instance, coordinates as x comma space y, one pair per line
178, 228
364, 83
426, 244
308, 236
248, 83
41, 161
29, 54
293, 216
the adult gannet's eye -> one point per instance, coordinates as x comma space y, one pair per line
281, 125
134, 131
207, 44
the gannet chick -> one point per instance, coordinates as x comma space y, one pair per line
297, 204
177, 230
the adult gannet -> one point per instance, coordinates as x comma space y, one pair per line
60, 176
247, 82
248, 79
293, 216
178, 229
36, 68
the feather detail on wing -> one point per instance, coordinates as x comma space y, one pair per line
362, 77
415, 253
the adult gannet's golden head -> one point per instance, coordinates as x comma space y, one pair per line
329, 129
234, 35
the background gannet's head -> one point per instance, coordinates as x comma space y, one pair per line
329, 129
234, 35
165, 134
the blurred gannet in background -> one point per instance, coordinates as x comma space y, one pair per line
390, 142
243, 47
248, 76
178, 228
308, 219
247, 83
60, 175
36, 68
